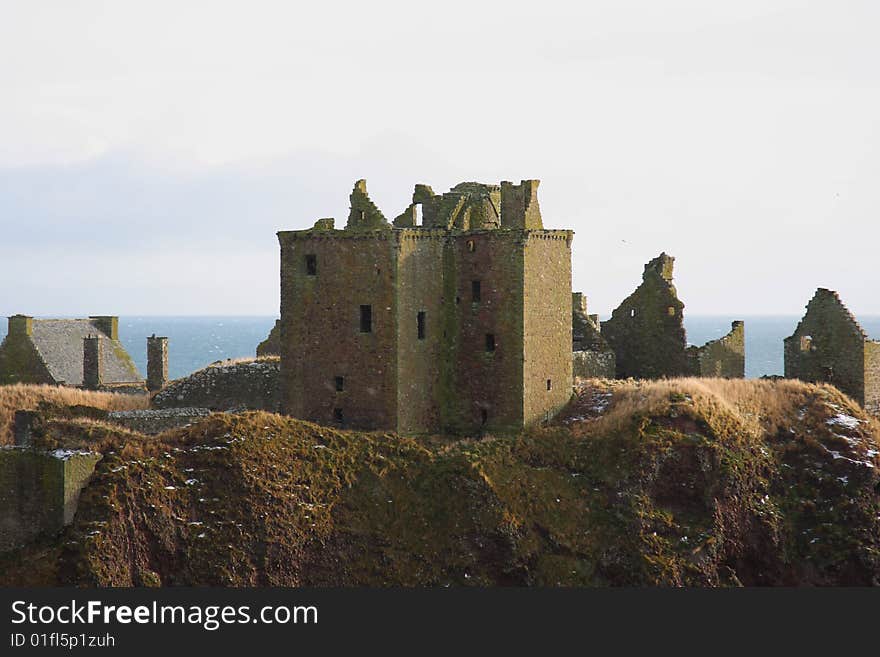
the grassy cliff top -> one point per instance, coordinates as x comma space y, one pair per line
683, 482
24, 397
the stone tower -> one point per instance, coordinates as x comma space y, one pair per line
460, 324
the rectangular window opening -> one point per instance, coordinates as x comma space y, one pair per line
312, 264
338, 416
339, 381
366, 319
490, 342
420, 321
476, 292
549, 384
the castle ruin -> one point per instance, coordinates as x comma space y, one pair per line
455, 317
830, 346
646, 332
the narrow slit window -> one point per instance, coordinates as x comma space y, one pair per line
476, 291
420, 324
366, 319
490, 342
339, 382
338, 416
311, 264
549, 384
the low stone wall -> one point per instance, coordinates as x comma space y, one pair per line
39, 491
251, 385
156, 421
593, 364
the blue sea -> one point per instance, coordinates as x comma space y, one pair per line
194, 342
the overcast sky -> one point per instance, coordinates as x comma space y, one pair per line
149, 151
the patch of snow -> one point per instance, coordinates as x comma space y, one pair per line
64, 454
844, 420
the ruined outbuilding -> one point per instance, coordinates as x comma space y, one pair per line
830, 346
593, 357
646, 331
455, 317
647, 334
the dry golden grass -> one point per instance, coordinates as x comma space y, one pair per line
732, 406
22, 397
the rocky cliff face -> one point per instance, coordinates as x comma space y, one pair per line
687, 482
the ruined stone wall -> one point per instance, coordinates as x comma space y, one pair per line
593, 364
320, 327
39, 492
251, 385
828, 345
647, 333
484, 387
872, 377
156, 421
724, 357
271, 346
19, 360
547, 360
419, 282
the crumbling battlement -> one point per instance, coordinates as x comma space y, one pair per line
456, 317
724, 357
830, 345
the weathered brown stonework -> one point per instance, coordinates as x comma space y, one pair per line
647, 334
461, 325
646, 331
829, 345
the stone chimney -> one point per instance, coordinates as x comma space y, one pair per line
107, 324
93, 362
157, 362
21, 325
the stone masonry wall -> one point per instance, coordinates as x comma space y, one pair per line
155, 421
646, 331
547, 324
828, 345
39, 492
352, 268
419, 281
223, 387
724, 357
484, 388
19, 360
593, 365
